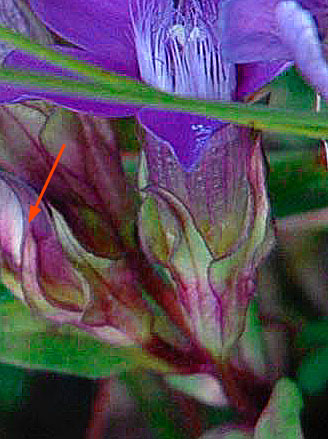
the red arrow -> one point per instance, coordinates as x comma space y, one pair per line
34, 210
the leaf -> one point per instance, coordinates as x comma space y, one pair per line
34, 344
296, 183
5, 294
314, 334
159, 410
14, 387
313, 372
279, 420
251, 342
291, 91
281, 417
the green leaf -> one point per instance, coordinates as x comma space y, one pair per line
14, 387
5, 294
314, 334
35, 344
296, 183
159, 410
251, 342
313, 371
281, 417
289, 90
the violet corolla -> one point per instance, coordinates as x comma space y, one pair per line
172, 45
257, 31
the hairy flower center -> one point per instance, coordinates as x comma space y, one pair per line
179, 52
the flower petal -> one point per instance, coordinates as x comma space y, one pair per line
21, 60
116, 299
93, 170
319, 10
117, 62
253, 76
186, 134
299, 33
203, 387
89, 24
11, 222
47, 268
232, 278
269, 30
250, 32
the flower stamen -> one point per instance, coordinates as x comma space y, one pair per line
179, 52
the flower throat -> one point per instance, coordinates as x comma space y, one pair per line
179, 51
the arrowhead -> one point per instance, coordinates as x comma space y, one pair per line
34, 210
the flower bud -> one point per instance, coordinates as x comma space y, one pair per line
209, 228
45, 266
89, 186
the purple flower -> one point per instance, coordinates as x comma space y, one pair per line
267, 30
173, 46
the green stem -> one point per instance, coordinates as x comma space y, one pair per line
110, 86
260, 118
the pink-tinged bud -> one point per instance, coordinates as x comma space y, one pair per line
89, 186
45, 266
209, 228
89, 222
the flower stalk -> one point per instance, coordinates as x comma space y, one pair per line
111, 86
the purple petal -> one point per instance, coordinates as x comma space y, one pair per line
116, 62
90, 24
299, 33
18, 59
250, 32
253, 76
11, 94
186, 134
319, 10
